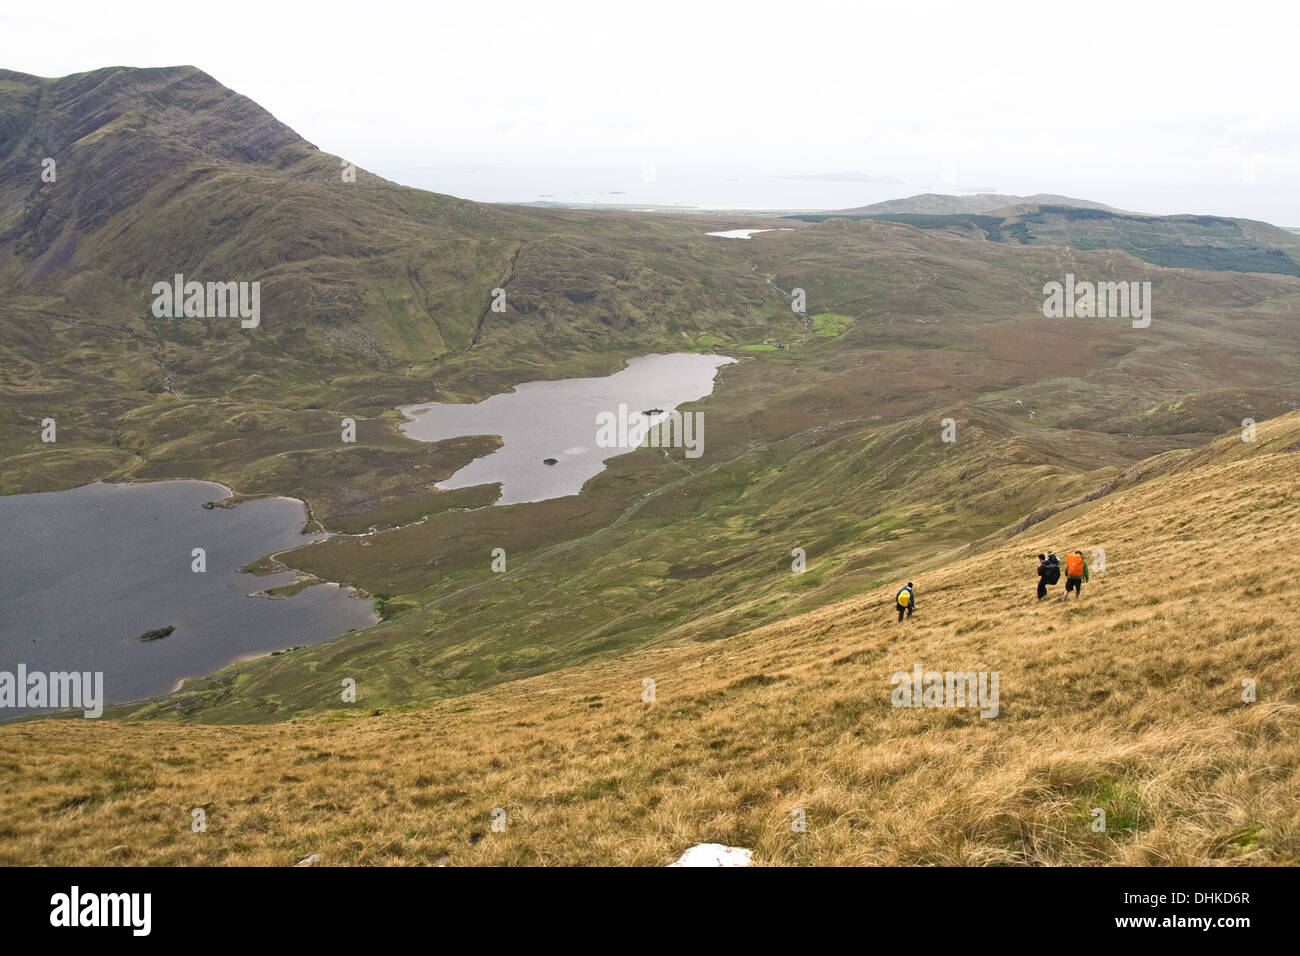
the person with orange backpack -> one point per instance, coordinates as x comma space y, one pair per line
906, 601
1076, 572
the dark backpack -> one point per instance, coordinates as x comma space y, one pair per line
1052, 574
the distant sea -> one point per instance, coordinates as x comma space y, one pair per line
671, 186
782, 189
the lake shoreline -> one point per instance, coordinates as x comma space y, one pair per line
552, 440
61, 611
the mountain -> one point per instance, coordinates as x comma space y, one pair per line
1193, 242
1129, 700
364, 285
826, 436
168, 168
938, 204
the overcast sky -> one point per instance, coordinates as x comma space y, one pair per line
1186, 107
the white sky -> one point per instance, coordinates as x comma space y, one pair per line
1180, 107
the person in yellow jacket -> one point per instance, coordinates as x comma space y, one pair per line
906, 601
1076, 572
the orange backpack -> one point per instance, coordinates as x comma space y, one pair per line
1074, 565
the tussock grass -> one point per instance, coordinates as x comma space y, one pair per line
1129, 700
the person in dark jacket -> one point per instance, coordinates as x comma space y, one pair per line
905, 603
1049, 572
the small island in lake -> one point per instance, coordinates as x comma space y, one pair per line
652, 411
158, 633
550, 461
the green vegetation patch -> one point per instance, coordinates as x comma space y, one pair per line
830, 324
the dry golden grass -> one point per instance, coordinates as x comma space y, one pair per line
1129, 700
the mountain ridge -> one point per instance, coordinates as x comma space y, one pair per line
943, 204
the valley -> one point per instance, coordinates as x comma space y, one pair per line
884, 398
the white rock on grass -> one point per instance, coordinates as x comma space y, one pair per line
715, 854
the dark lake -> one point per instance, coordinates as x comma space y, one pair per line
84, 572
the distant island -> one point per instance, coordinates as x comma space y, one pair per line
157, 633
550, 461
652, 411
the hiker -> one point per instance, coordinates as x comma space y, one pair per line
1076, 572
1049, 572
906, 601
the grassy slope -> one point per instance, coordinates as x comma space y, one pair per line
1129, 700
376, 296
828, 445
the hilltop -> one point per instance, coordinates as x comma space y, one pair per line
1195, 242
1129, 701
939, 204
